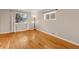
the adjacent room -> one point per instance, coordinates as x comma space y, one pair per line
39, 28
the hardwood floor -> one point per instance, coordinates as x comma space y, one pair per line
32, 39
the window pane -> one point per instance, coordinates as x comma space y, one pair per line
21, 17
47, 16
52, 16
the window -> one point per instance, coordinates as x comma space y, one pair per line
47, 16
20, 17
50, 15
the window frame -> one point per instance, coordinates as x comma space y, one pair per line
50, 13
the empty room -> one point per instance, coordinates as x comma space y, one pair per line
39, 29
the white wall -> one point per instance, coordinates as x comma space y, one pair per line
4, 21
65, 26
7, 21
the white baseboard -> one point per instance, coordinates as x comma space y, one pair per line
59, 37
4, 32
15, 31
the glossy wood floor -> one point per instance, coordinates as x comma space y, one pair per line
32, 39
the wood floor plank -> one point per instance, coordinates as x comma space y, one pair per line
33, 39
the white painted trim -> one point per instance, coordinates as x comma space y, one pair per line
59, 37
15, 32
4, 32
